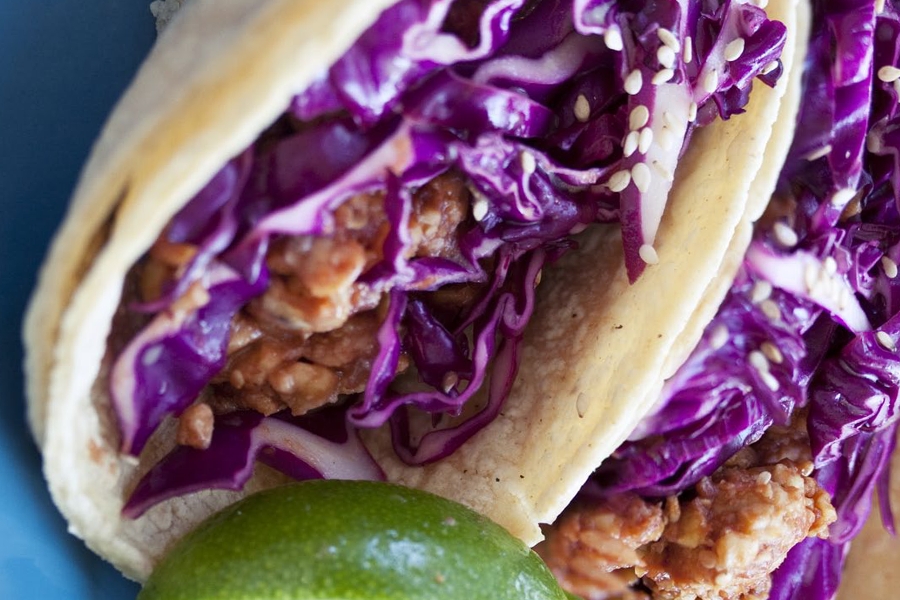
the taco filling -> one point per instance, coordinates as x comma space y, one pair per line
766, 447
372, 259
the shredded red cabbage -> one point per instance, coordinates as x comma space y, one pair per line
240, 439
176, 355
558, 113
719, 401
823, 268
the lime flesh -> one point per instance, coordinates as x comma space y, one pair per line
350, 540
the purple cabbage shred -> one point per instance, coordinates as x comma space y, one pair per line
537, 105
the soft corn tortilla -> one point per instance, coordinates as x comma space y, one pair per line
595, 355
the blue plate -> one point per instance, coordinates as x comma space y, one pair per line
64, 65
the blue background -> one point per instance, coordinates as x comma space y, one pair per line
63, 64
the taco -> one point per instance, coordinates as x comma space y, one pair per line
313, 250
757, 468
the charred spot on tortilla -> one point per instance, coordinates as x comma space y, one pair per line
164, 10
95, 451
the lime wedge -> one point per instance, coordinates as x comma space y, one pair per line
350, 540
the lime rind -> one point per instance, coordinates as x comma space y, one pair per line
348, 540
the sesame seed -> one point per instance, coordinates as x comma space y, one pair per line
646, 139
151, 355
888, 74
793, 481
846, 298
582, 404
827, 287
785, 234
631, 143
723, 579
889, 266
666, 139
806, 468
758, 361
529, 165
830, 265
896, 86
613, 39
719, 337
810, 276
538, 277
237, 379
648, 254
640, 174
873, 142
450, 380
668, 38
634, 82
761, 3
819, 152
853, 208
708, 559
688, 54
619, 180
665, 173
764, 478
710, 82
842, 197
665, 56
772, 352
769, 68
771, 310
638, 117
734, 49
692, 112
879, 7
762, 290
770, 381
885, 341
480, 209
582, 108
662, 76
